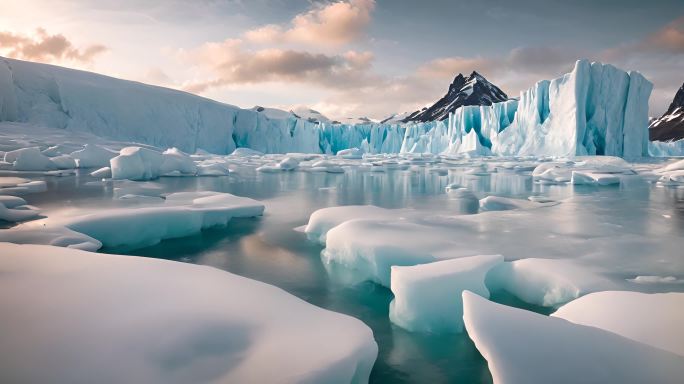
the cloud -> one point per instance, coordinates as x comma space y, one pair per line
351, 87
668, 39
45, 47
335, 23
447, 67
514, 71
229, 62
659, 56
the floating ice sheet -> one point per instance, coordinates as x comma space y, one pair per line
164, 322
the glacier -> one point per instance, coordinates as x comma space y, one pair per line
597, 109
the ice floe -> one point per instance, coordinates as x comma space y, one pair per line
132, 319
427, 297
547, 282
655, 319
151, 220
524, 347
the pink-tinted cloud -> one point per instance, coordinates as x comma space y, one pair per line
229, 62
335, 23
668, 39
45, 47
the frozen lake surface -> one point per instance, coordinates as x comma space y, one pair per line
648, 217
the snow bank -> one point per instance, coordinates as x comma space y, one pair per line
427, 297
525, 347
653, 319
182, 214
70, 316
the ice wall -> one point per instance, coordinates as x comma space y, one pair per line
595, 109
451, 136
666, 148
62, 98
124, 110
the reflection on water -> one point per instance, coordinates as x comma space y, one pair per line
269, 250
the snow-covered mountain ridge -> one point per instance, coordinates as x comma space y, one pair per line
670, 126
473, 89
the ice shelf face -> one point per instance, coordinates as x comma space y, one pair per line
124, 110
596, 109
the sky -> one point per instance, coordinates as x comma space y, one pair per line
347, 58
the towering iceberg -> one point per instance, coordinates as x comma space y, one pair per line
596, 109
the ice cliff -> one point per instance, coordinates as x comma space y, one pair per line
596, 109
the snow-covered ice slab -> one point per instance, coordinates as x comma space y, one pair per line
371, 247
596, 249
149, 221
12, 186
671, 174
592, 170
93, 155
131, 319
654, 319
498, 203
15, 213
182, 214
523, 347
547, 282
427, 297
591, 178
55, 236
322, 220
136, 163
